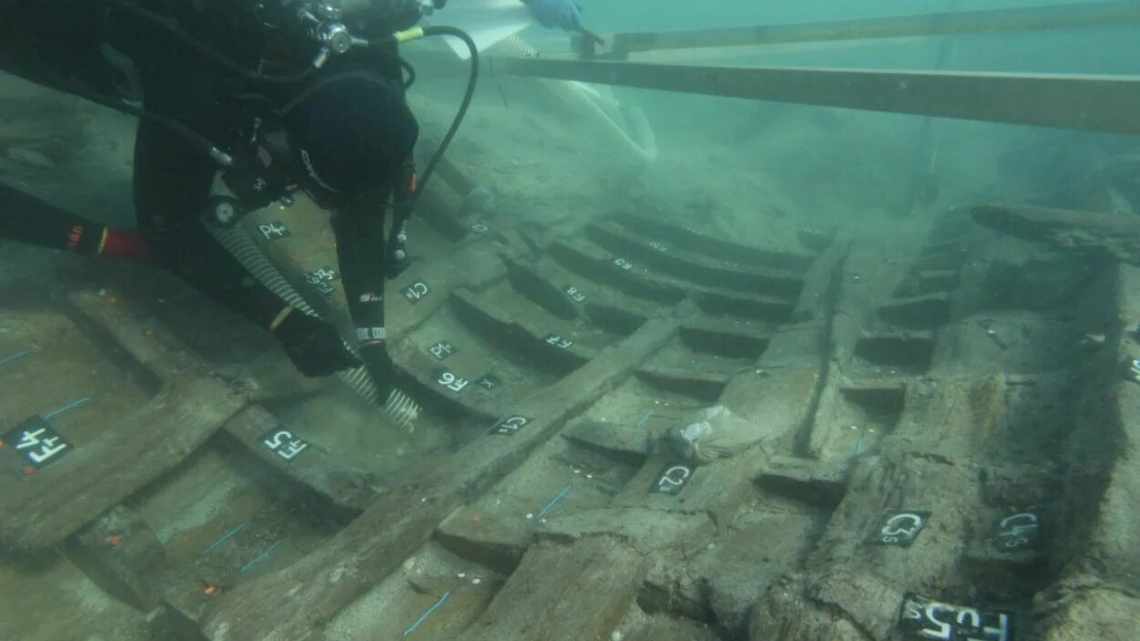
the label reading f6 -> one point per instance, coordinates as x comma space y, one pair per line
284, 443
923, 619
449, 380
899, 528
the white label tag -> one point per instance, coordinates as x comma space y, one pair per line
283, 443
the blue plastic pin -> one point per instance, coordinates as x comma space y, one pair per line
66, 408
550, 506
225, 537
13, 357
259, 558
425, 615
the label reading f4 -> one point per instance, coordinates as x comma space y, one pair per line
510, 425
923, 619
37, 442
273, 230
899, 528
416, 292
284, 443
672, 479
442, 350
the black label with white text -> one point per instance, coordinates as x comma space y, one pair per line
923, 619
38, 442
284, 444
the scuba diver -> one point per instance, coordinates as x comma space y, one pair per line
300, 95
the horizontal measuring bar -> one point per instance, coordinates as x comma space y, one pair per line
1091, 102
1066, 16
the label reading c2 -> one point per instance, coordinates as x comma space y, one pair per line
672, 479
1019, 531
284, 443
510, 425
416, 292
899, 528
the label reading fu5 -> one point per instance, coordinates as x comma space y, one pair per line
924, 619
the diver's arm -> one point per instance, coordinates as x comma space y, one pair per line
359, 229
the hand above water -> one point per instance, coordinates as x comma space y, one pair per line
564, 14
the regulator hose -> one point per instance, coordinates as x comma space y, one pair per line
403, 209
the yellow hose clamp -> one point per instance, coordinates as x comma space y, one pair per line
408, 35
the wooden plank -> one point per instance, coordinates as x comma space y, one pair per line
187, 410
1073, 101
287, 452
930, 24
1079, 231
294, 604
564, 593
123, 555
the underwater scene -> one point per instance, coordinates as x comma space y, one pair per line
558, 320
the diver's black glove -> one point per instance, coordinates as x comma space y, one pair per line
314, 346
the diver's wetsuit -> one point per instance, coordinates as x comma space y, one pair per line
356, 134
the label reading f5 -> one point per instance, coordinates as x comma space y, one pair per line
284, 443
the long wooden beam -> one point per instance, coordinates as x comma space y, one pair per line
1092, 102
1066, 16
